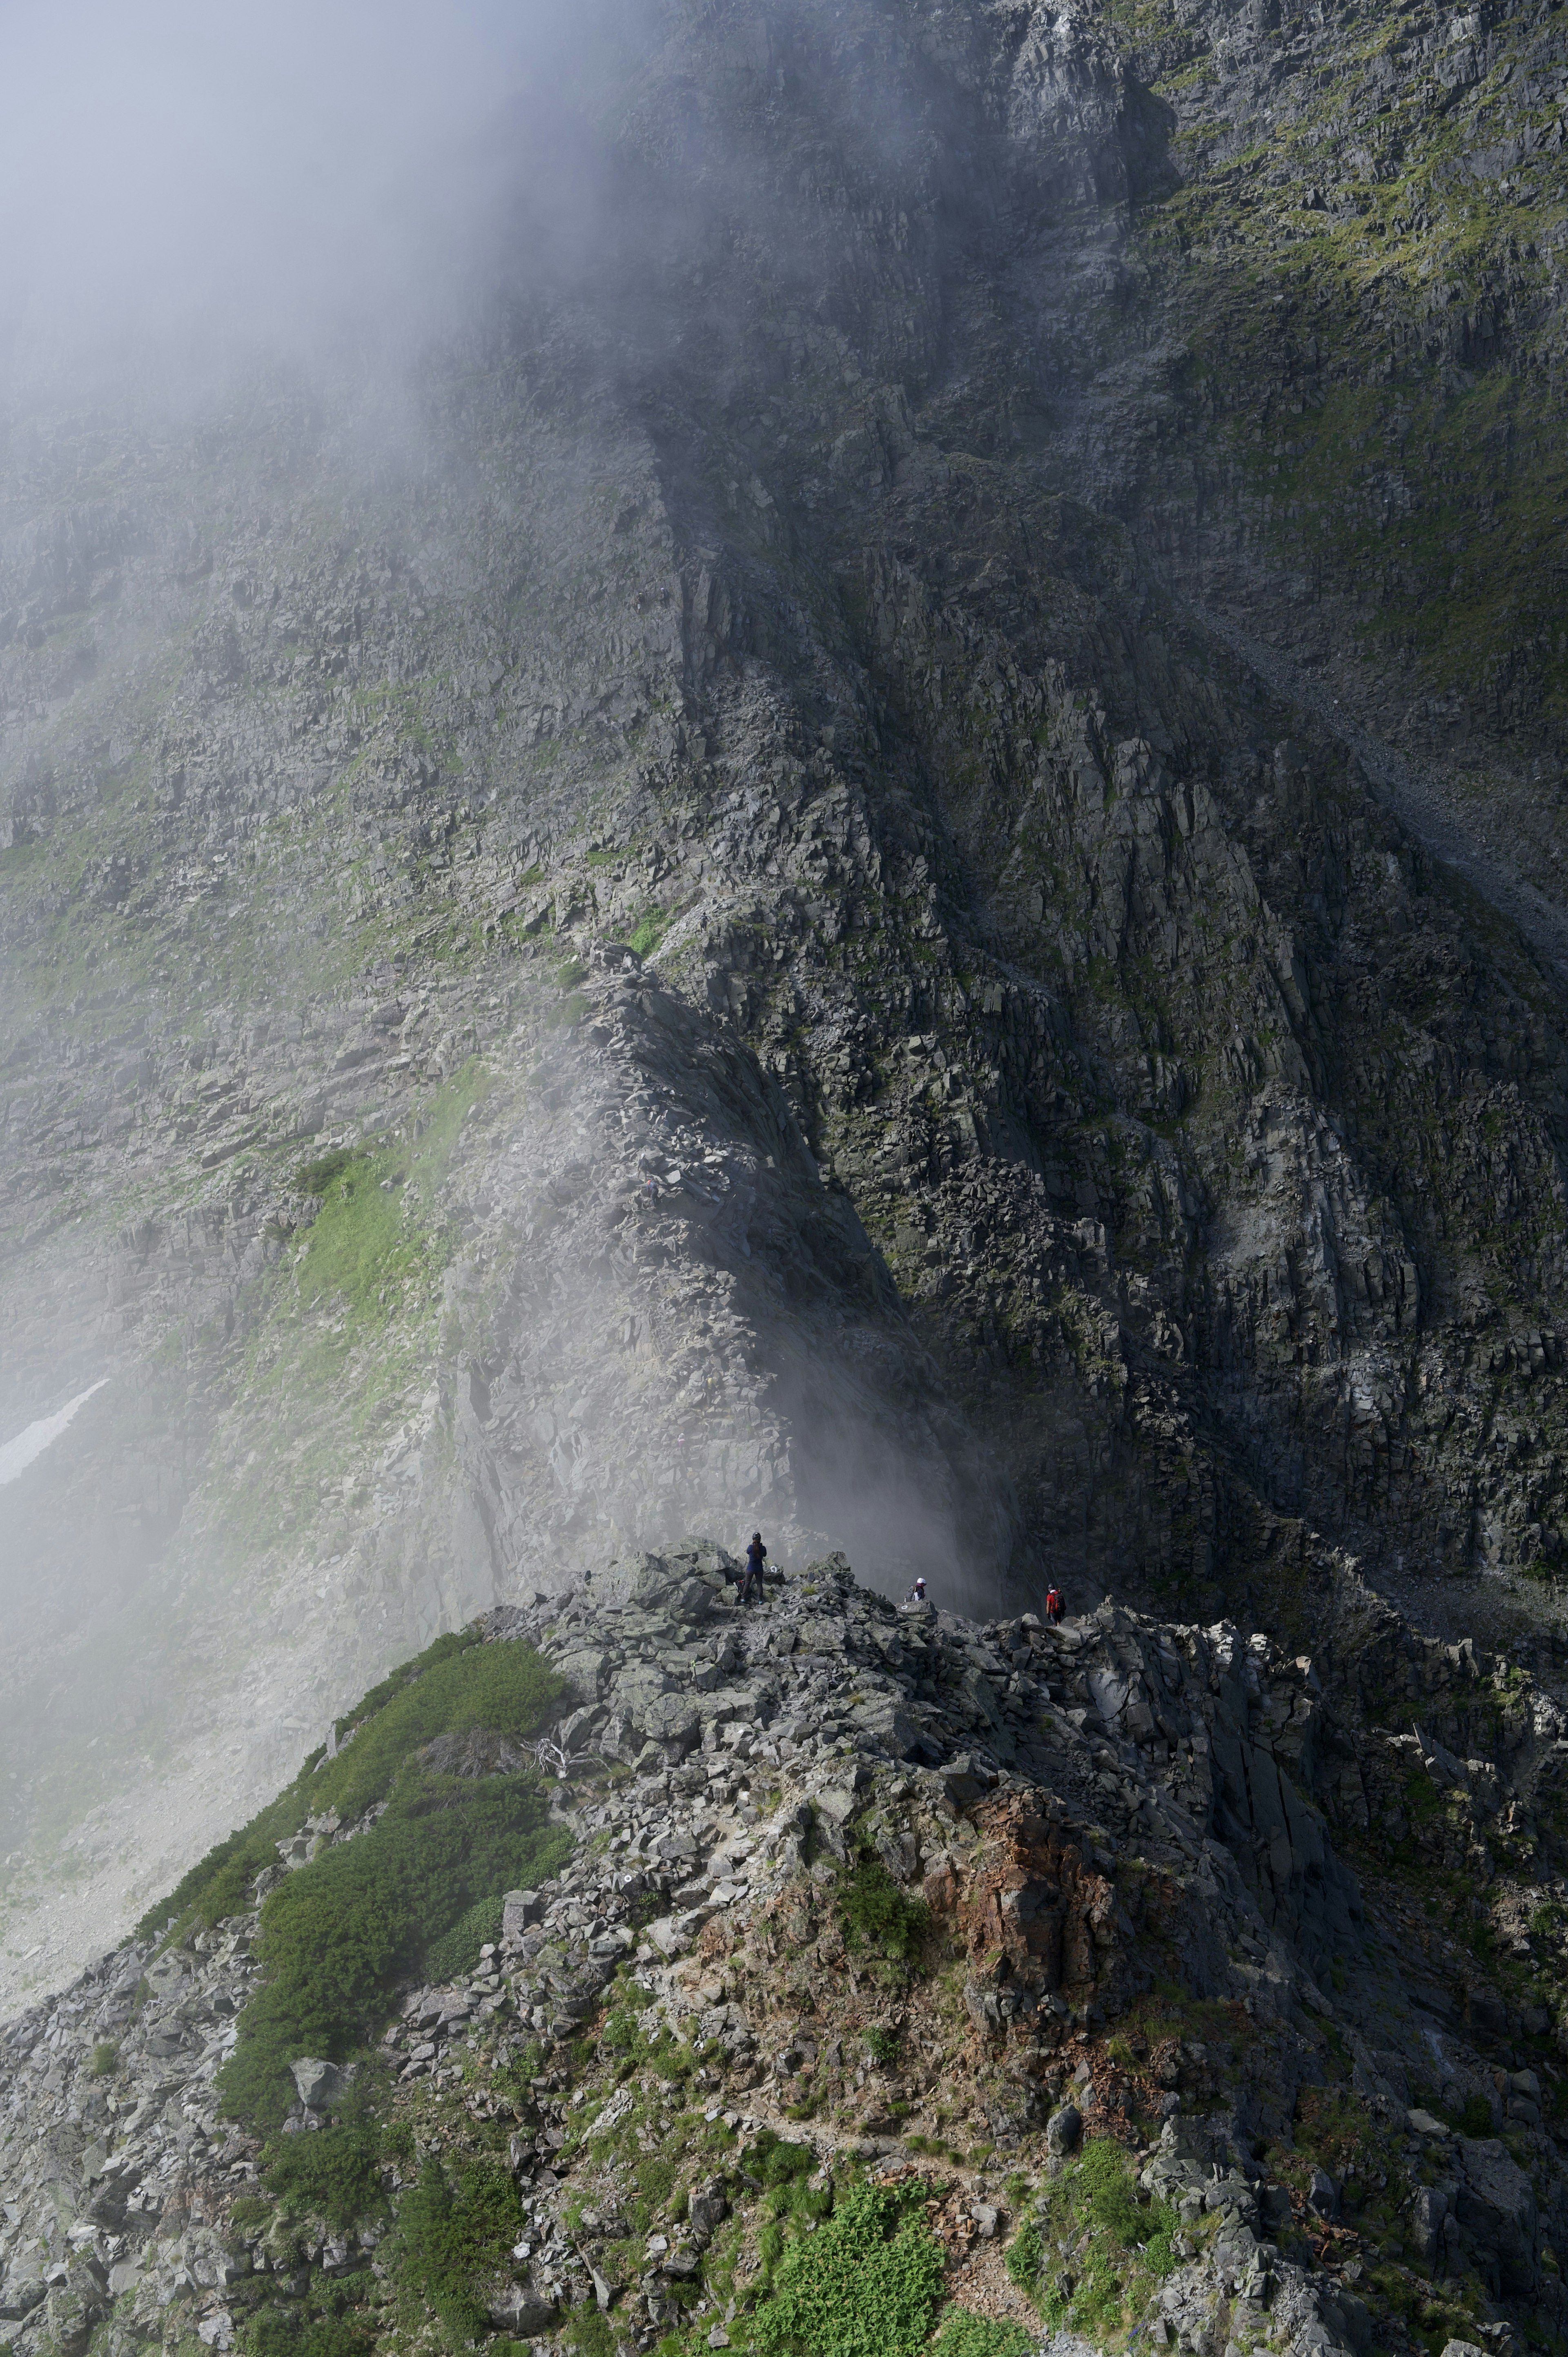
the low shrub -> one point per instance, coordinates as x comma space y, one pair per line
652, 928
452, 2231
874, 1913
314, 1178
1107, 2191
966, 2335
1108, 2246
455, 1684
513, 2080
866, 2284
588, 2334
105, 2054
340, 1932
329, 2323
773, 2162
458, 1951
1026, 2254
335, 2173
507, 1689
1475, 2118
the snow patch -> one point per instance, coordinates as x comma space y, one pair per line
18, 1454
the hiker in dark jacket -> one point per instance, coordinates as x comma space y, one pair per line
755, 1557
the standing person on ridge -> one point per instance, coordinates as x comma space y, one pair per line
1054, 1606
755, 1557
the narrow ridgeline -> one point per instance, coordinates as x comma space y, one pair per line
828, 1978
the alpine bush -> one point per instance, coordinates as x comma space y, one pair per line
337, 1934
455, 1684
1090, 2213
330, 2324
967, 2335
874, 1913
458, 1951
1026, 2254
451, 2231
866, 2284
335, 2174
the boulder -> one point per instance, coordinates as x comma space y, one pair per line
837, 1804
22, 2292
520, 2309
707, 2207
1497, 2209
1428, 2211
1322, 2195
518, 1909
319, 2083
1065, 2129
963, 1784
74, 2307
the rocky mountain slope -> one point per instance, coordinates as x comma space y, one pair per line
879, 1979
678, 921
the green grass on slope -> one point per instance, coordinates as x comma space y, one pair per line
343, 1340
1120, 2251
335, 2173
342, 1931
965, 2335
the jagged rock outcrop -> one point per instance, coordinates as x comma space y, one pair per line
711, 944
1130, 1935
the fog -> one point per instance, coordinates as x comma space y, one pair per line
201, 635
188, 186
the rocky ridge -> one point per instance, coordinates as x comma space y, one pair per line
1132, 1928
689, 937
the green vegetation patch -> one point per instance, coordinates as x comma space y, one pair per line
335, 2174
652, 928
346, 1315
965, 2335
1092, 2252
338, 1932
866, 2284
874, 1913
328, 2322
458, 1951
452, 2231
1474, 2117
455, 1685
315, 1177
366, 1247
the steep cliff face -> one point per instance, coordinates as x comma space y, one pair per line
668, 924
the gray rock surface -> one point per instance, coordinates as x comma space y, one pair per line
1058, 1122
118, 2177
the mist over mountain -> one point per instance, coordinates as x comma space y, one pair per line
760, 766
